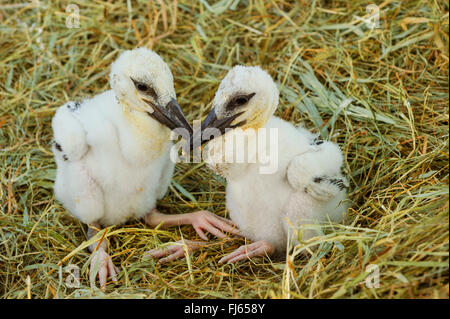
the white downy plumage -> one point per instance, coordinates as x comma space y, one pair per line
113, 159
112, 151
306, 186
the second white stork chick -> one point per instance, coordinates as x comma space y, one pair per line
307, 185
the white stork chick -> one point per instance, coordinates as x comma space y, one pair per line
112, 152
307, 184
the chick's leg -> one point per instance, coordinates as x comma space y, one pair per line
175, 251
201, 221
259, 248
100, 258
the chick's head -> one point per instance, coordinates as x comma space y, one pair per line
142, 82
247, 97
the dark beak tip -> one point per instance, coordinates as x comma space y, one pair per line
212, 122
209, 120
177, 115
170, 116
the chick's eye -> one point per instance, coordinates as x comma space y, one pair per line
141, 87
241, 100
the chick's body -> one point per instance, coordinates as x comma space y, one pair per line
112, 162
263, 205
113, 153
285, 177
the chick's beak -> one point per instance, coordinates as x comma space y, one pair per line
213, 127
171, 115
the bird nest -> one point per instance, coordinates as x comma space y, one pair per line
377, 87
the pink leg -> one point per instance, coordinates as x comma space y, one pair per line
174, 251
201, 221
259, 248
101, 261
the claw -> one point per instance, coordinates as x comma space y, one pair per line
201, 221
205, 220
106, 268
259, 248
174, 251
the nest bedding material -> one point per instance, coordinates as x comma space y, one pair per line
381, 93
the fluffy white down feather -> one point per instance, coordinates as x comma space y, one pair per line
112, 158
307, 186
263, 205
105, 172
